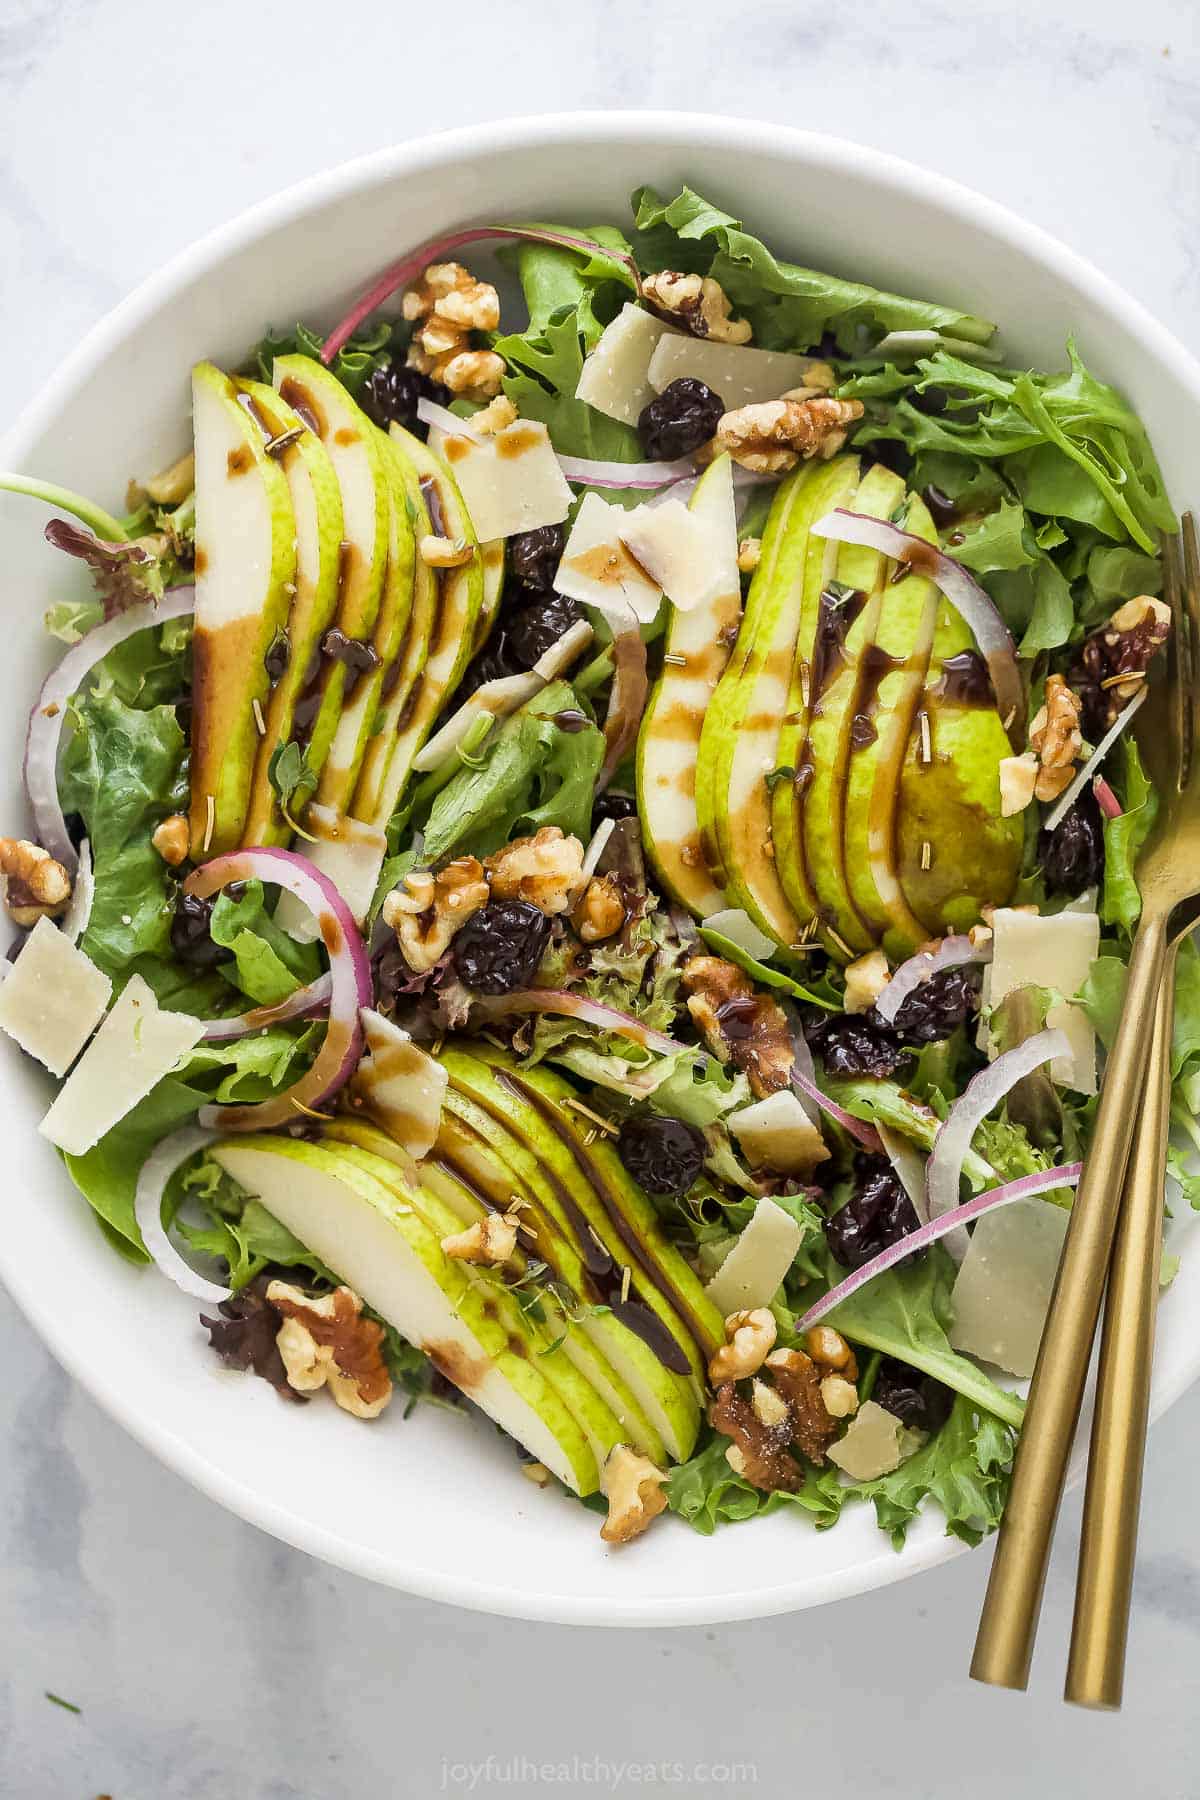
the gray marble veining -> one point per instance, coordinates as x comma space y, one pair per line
208, 1660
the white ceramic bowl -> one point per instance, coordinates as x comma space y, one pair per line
434, 1505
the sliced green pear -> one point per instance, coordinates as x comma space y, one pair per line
809, 813
535, 1101
492, 555
429, 671
892, 671
501, 1319
245, 571
698, 642
479, 1144
739, 745
353, 445
956, 853
317, 510
363, 1224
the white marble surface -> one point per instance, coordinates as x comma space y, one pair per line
208, 1660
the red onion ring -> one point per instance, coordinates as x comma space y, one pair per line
313, 999
628, 694
442, 419
982, 1094
50, 710
862, 1133
1024, 1189
578, 1006
404, 272
349, 982
83, 892
960, 588
909, 1165
584, 472
152, 1180
1088, 771
951, 953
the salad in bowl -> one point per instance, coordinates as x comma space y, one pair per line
581, 863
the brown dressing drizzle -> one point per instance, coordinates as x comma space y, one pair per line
240, 461
836, 613
303, 403
874, 665
965, 681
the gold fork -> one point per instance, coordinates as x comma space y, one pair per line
1168, 873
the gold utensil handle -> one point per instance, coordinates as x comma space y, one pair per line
1095, 1673
1008, 1625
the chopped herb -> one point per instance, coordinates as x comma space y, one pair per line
773, 777
67, 1705
294, 781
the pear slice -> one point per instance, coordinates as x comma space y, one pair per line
808, 814
892, 671
698, 642
657, 1410
317, 510
739, 745
536, 1102
955, 851
245, 570
492, 556
429, 671
352, 443
369, 1230
501, 1319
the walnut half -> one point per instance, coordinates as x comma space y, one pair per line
425, 910
633, 1486
697, 303
772, 436
445, 306
325, 1342
36, 887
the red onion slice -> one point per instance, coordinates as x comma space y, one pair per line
349, 982
909, 1165
49, 713
1106, 800
583, 471
405, 271
313, 999
442, 419
83, 893
959, 1216
960, 588
628, 694
156, 1172
982, 1094
577, 1006
862, 1133
1088, 770
951, 953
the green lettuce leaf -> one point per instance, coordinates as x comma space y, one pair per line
1121, 900
790, 307
106, 1175
706, 1492
268, 965
965, 1468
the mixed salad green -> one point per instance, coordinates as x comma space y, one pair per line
584, 867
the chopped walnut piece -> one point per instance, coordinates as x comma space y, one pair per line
839, 1397
749, 554
544, 870
538, 1473
748, 1029
171, 839
697, 303
325, 1342
171, 486
444, 552
798, 1378
426, 910
36, 887
749, 1335
633, 1486
445, 307
770, 1407
759, 1451
1018, 779
498, 415
772, 436
1055, 735
1112, 663
601, 912
491, 1239
829, 1347
865, 981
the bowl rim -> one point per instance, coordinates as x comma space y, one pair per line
360, 174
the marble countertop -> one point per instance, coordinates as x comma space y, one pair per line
205, 1658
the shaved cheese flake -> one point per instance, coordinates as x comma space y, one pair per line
135, 1047
399, 1084
53, 998
510, 482
680, 549
752, 1272
350, 852
1002, 1290
874, 1445
741, 375
777, 1133
734, 923
615, 379
597, 570
1055, 951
